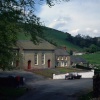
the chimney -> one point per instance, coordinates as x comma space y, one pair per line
64, 48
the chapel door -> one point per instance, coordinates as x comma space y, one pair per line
49, 63
29, 64
17, 63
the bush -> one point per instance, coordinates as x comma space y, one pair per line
82, 67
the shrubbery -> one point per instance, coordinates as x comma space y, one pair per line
82, 67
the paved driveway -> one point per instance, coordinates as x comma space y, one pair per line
57, 89
48, 89
27, 75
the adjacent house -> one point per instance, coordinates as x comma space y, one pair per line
62, 58
74, 60
32, 56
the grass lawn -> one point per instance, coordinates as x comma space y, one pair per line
92, 58
9, 93
48, 72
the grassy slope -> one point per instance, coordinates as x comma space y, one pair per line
22, 36
55, 36
59, 38
92, 58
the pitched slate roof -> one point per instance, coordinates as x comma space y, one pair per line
27, 44
77, 59
61, 52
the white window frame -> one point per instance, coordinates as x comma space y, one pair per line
57, 58
62, 58
66, 64
12, 63
66, 58
36, 59
43, 58
62, 64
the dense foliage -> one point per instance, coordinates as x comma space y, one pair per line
17, 16
89, 44
14, 17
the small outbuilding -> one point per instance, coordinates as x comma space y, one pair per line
74, 60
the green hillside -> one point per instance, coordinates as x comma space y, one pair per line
92, 58
59, 38
22, 36
54, 37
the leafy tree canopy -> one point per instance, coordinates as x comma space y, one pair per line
17, 16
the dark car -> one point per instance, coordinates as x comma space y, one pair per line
73, 76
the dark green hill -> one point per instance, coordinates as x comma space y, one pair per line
55, 37
59, 38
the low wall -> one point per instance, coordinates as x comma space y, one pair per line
60, 76
88, 74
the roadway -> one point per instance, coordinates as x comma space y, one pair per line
57, 89
48, 89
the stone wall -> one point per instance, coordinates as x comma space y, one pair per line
29, 56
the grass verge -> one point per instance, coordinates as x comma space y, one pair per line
48, 72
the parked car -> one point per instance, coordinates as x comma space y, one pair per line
73, 76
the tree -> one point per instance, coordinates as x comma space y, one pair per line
16, 16
13, 19
69, 37
93, 48
71, 52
